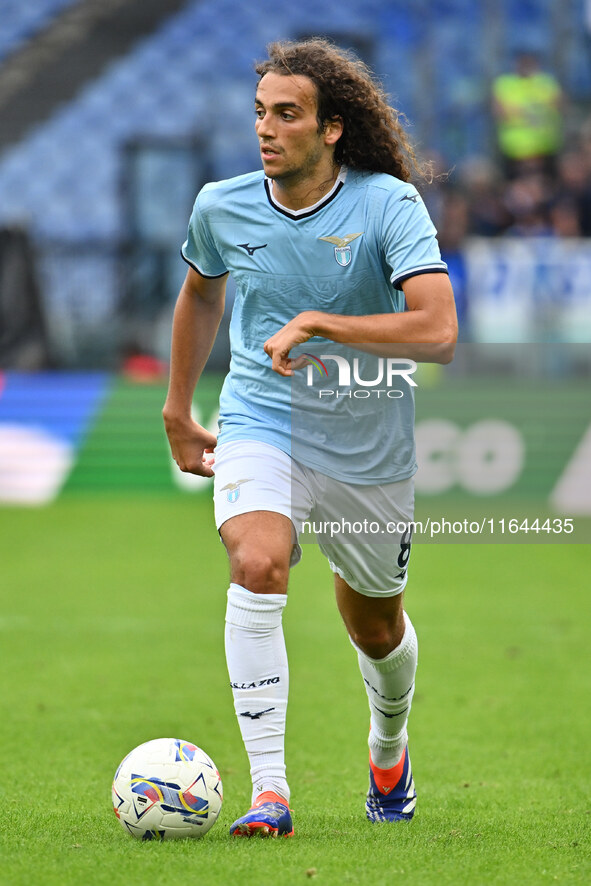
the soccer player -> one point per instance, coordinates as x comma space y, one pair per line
330, 243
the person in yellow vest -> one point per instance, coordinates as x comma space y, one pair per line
528, 109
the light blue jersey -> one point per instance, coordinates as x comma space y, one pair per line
347, 254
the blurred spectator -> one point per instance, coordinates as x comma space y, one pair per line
564, 218
574, 186
454, 221
454, 225
483, 187
528, 199
527, 106
434, 195
532, 203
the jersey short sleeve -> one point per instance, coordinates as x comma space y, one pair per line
199, 249
409, 237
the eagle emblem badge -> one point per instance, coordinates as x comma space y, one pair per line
342, 250
233, 490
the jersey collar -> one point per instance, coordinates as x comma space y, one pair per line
307, 210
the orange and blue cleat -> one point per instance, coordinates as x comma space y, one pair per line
270, 816
391, 795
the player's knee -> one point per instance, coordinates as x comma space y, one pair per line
376, 640
259, 571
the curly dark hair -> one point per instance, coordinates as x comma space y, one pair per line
373, 138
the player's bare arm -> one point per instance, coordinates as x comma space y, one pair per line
429, 327
197, 317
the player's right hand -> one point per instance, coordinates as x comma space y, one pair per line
191, 445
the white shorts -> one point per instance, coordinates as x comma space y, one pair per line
364, 531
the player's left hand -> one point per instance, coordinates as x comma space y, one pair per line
296, 332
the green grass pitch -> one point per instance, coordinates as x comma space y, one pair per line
111, 633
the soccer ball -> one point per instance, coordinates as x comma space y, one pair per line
165, 789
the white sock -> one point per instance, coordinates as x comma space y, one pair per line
389, 683
259, 677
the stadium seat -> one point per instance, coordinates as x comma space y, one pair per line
22, 21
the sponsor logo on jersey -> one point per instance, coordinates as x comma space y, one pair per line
342, 250
251, 249
412, 198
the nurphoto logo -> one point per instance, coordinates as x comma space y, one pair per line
387, 371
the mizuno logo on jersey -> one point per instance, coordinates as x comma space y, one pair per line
251, 249
412, 198
342, 250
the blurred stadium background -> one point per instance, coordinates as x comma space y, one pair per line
114, 112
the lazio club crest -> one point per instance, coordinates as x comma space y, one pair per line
233, 490
342, 250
